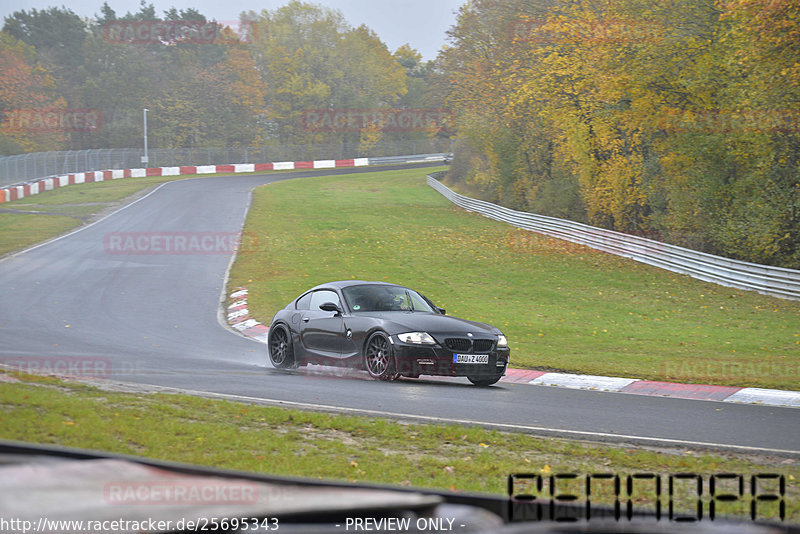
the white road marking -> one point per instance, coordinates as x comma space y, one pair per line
499, 426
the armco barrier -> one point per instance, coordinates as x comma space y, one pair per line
768, 280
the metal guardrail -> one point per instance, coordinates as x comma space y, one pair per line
415, 158
775, 281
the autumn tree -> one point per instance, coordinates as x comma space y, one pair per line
57, 34
311, 59
24, 85
674, 119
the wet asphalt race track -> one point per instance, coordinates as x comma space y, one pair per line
153, 319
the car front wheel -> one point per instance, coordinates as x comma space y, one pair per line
378, 359
281, 353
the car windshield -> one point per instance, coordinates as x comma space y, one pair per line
380, 298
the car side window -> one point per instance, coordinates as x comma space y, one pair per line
303, 302
321, 297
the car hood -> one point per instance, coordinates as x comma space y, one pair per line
429, 322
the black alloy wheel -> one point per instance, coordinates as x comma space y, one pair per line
378, 359
280, 349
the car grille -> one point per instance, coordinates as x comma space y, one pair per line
459, 344
482, 345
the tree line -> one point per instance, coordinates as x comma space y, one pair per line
250, 82
676, 120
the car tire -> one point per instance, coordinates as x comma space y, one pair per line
378, 358
482, 381
281, 352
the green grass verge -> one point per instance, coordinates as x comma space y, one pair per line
563, 306
278, 441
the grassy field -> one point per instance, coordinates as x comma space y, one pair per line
356, 449
563, 307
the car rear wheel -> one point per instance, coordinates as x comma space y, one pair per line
281, 353
378, 358
483, 382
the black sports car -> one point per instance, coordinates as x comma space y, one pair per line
386, 329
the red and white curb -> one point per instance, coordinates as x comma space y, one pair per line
239, 319
34, 187
772, 397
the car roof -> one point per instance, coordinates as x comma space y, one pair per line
341, 284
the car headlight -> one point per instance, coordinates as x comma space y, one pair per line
502, 341
420, 338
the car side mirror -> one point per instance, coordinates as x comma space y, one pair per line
442, 311
331, 307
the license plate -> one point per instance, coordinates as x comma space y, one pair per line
470, 358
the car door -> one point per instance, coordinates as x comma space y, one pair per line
321, 332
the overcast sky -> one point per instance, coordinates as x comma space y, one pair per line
421, 23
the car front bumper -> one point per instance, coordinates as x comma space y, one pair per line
414, 360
